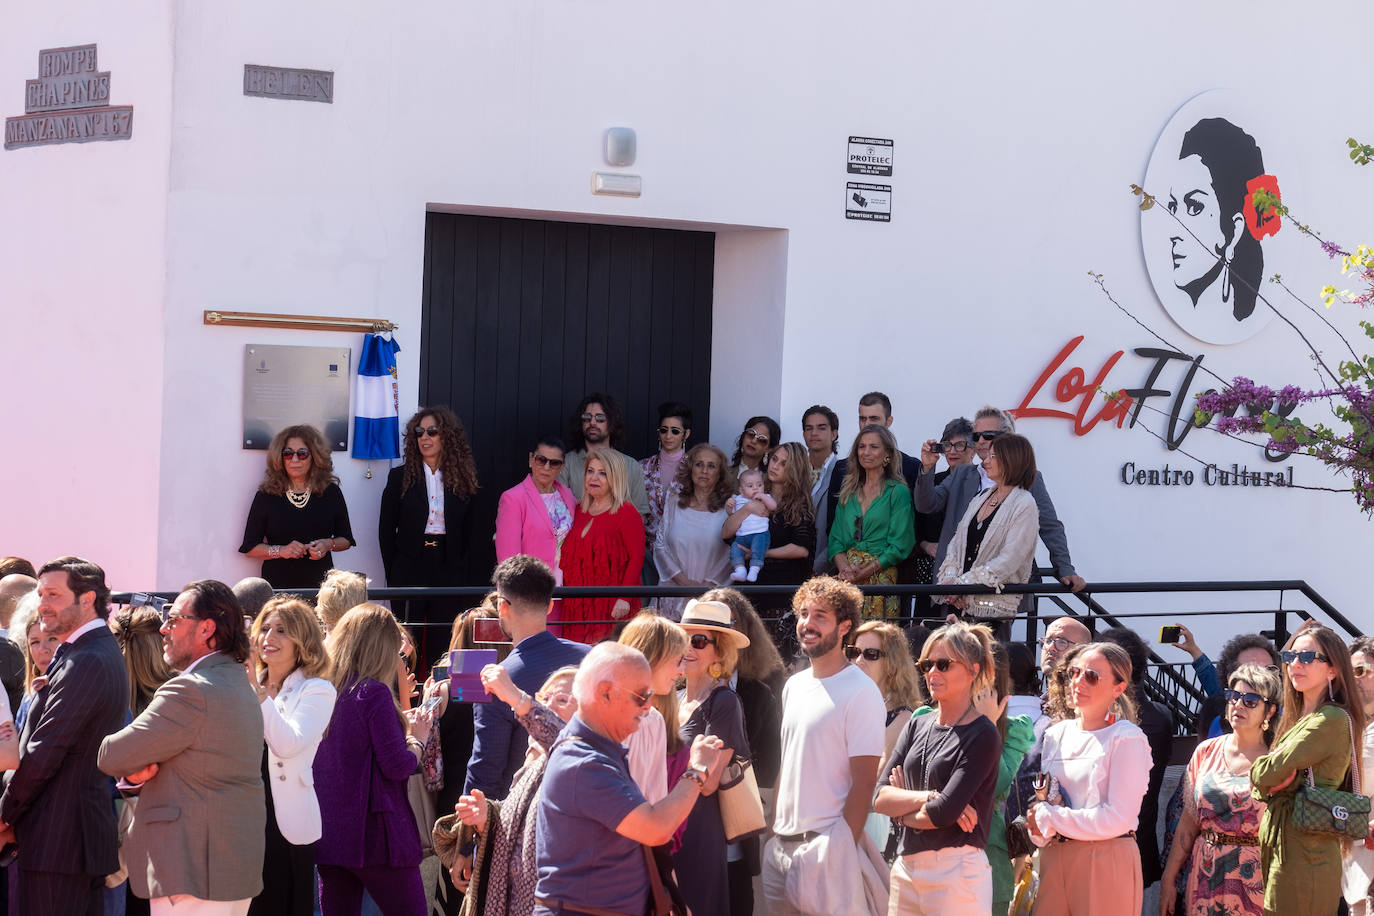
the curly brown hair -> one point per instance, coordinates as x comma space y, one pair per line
321, 464
794, 499
724, 488
455, 455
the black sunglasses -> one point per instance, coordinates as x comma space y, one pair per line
853, 652
1306, 657
939, 664
1248, 700
960, 446
589, 417
422, 431
546, 461
701, 641
301, 453
987, 436
669, 430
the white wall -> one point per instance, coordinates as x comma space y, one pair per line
1016, 137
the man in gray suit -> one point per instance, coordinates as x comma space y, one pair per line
195, 757
957, 490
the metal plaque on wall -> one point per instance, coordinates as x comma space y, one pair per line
284, 386
288, 83
69, 102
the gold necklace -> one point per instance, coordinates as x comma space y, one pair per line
298, 499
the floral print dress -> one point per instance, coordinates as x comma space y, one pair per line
1223, 879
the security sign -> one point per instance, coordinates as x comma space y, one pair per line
869, 156
872, 202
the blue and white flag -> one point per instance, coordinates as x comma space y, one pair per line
377, 400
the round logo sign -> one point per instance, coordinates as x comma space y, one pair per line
1208, 247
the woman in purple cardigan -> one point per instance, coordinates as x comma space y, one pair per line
370, 841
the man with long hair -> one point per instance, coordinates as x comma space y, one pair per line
599, 423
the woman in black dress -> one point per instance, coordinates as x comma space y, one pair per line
424, 527
298, 517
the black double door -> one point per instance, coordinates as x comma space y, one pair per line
521, 318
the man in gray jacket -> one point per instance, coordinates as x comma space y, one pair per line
956, 491
195, 757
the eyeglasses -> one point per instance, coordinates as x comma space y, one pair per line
1248, 700
423, 431
171, 620
960, 446
590, 417
302, 453
871, 655
756, 436
669, 431
546, 461
939, 664
1057, 643
1073, 673
1305, 657
641, 698
987, 436
1360, 670
701, 641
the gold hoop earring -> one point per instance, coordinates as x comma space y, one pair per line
716, 670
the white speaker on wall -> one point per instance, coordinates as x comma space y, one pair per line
620, 146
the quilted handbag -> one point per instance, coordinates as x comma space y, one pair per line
1332, 811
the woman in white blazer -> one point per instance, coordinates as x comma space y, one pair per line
995, 542
290, 663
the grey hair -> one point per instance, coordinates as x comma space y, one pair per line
1002, 417
25, 614
604, 663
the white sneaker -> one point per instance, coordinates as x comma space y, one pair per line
754, 573
739, 575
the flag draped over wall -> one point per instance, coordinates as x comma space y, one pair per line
377, 400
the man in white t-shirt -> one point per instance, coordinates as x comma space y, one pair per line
832, 744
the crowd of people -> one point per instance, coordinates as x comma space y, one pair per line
237, 750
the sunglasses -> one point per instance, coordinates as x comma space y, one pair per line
1305, 657
939, 664
872, 655
701, 641
302, 453
593, 417
988, 436
1073, 673
641, 698
546, 462
423, 431
757, 437
669, 431
1248, 700
960, 446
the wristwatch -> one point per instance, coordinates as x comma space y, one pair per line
697, 774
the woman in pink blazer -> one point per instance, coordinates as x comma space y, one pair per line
534, 516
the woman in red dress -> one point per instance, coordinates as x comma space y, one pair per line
605, 547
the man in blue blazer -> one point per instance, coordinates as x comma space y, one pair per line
57, 805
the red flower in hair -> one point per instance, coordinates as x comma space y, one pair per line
1269, 222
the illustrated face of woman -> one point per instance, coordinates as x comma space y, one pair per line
992, 466
755, 442
874, 669
561, 699
431, 446
958, 451
705, 472
1363, 664
42, 647
777, 466
672, 434
295, 466
545, 463
697, 662
1314, 676
663, 679
1239, 716
1093, 700
953, 686
274, 646
594, 480
1193, 201
871, 452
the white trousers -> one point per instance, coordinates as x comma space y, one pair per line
186, 905
956, 881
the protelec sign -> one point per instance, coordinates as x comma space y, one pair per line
69, 102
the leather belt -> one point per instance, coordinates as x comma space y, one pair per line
429, 543
1068, 839
1229, 839
806, 837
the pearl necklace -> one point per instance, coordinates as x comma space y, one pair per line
298, 500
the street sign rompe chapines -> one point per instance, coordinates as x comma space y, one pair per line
69, 102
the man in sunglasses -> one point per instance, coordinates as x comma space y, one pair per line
833, 719
598, 423
956, 491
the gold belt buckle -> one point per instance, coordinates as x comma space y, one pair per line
431, 543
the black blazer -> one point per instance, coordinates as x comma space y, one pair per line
401, 530
60, 804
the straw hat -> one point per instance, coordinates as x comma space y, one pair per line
712, 615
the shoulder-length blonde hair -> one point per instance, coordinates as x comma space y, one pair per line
794, 498
659, 639
138, 632
321, 464
971, 644
687, 487
855, 476
297, 621
364, 645
899, 683
615, 479
1059, 705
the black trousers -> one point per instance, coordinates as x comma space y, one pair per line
46, 893
430, 620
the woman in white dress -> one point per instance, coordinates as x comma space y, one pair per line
689, 549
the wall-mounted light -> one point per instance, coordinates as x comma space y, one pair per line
620, 147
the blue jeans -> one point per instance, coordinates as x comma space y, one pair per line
757, 544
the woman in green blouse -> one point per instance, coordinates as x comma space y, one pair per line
874, 527
1320, 709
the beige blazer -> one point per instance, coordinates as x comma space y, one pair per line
199, 826
1005, 556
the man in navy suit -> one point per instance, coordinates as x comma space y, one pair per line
57, 805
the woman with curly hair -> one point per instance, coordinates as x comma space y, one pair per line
688, 549
791, 529
298, 517
424, 528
